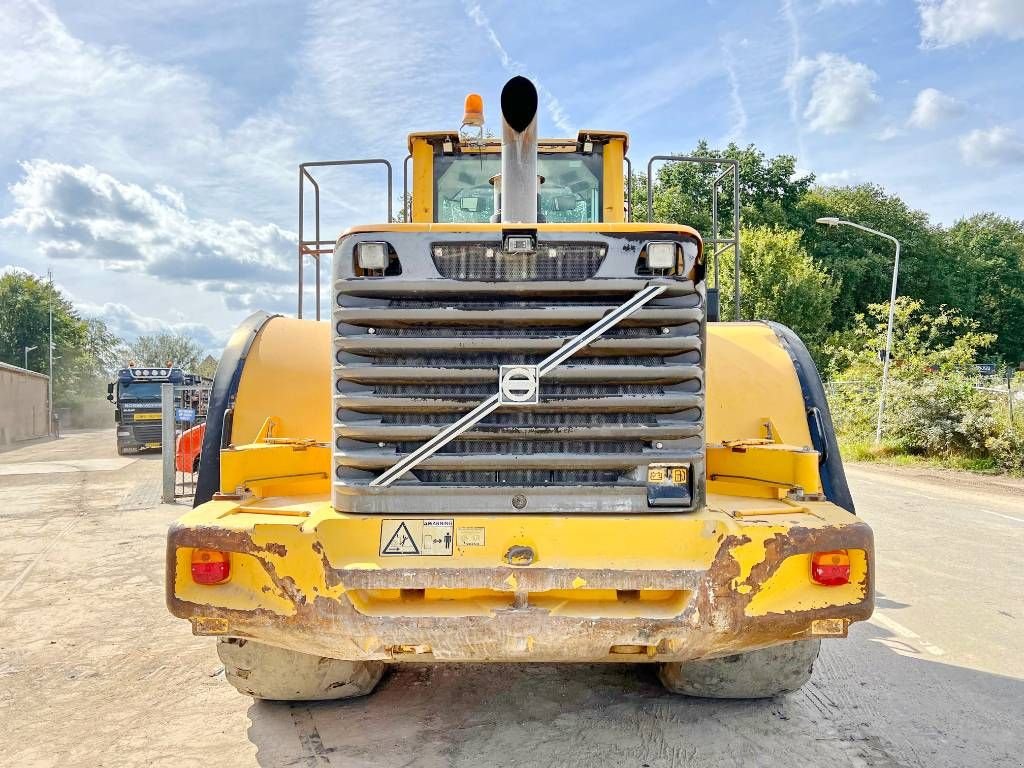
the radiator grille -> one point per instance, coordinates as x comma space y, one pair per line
415, 355
151, 432
486, 261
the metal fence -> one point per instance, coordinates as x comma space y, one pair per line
183, 417
1005, 393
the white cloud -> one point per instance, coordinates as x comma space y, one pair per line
737, 110
952, 22
932, 107
836, 178
555, 110
841, 92
77, 212
996, 146
129, 325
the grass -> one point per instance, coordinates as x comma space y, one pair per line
860, 450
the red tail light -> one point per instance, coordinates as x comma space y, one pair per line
830, 569
209, 566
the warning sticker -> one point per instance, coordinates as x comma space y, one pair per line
416, 537
471, 536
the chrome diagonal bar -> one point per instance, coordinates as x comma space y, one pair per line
492, 403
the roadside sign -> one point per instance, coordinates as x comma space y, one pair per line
185, 414
986, 369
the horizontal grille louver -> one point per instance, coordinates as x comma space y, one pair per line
486, 261
414, 354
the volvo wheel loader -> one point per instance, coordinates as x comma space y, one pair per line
523, 436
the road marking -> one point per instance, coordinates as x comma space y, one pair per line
1000, 514
879, 619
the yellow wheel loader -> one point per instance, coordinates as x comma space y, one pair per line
523, 436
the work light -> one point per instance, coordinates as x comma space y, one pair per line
372, 256
661, 255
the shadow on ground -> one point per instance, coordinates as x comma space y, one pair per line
871, 702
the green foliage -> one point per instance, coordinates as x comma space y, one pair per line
862, 263
83, 348
1007, 447
989, 278
780, 281
933, 406
162, 348
208, 367
769, 193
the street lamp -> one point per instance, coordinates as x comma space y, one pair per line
832, 221
27, 350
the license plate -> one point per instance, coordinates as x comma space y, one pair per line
147, 417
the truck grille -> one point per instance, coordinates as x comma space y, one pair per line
415, 355
149, 432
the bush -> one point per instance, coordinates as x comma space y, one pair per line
1007, 447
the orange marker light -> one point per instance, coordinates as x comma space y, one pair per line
474, 112
830, 569
210, 566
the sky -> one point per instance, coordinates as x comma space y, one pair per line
149, 151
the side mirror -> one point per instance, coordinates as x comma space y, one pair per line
110, 389
110, 398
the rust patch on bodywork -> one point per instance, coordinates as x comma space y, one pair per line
713, 621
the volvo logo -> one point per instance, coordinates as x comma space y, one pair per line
518, 385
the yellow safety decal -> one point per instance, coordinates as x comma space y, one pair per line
146, 417
416, 537
152, 445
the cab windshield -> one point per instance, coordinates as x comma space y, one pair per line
140, 390
571, 191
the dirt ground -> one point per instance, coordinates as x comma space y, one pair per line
94, 672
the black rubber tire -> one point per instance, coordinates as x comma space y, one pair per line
276, 674
756, 674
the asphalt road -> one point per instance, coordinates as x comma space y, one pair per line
94, 672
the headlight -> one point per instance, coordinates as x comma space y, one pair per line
372, 256
661, 255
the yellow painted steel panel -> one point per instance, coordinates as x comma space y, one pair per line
614, 193
422, 182
287, 375
751, 378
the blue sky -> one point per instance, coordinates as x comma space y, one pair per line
148, 151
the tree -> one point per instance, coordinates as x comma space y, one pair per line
208, 367
164, 348
861, 263
932, 404
780, 281
770, 190
83, 348
989, 283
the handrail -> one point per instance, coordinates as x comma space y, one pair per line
715, 241
317, 247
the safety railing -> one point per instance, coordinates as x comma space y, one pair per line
317, 247
719, 245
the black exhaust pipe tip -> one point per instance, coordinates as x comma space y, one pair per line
519, 103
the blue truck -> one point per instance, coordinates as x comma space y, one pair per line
136, 398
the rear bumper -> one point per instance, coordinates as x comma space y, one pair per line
292, 586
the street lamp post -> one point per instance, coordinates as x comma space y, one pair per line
832, 221
27, 350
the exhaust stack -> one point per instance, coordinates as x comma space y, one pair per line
519, 185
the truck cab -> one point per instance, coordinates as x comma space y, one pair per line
136, 398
